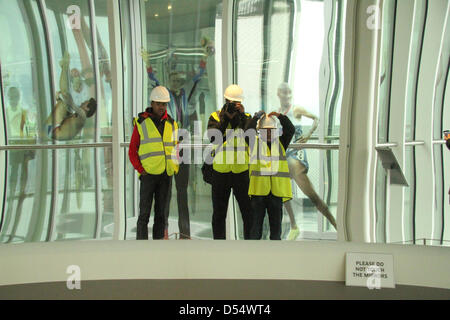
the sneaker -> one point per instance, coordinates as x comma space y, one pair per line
293, 234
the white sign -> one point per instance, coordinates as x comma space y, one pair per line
374, 271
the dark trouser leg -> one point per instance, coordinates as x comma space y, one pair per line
167, 207
221, 190
181, 180
275, 211
240, 184
259, 211
161, 193
148, 184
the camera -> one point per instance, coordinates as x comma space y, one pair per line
230, 107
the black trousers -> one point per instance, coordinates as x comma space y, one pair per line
222, 183
274, 207
157, 187
181, 183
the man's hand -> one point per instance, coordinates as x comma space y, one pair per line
258, 115
230, 115
240, 107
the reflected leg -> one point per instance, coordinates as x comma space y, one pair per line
220, 190
290, 211
259, 212
301, 178
181, 181
240, 183
23, 183
14, 161
275, 212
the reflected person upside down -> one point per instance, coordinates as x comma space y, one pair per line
67, 119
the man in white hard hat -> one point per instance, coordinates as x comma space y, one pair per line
270, 183
230, 164
153, 154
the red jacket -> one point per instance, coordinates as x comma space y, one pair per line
133, 150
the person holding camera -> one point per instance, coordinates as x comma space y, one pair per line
230, 163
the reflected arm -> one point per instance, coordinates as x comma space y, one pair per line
133, 150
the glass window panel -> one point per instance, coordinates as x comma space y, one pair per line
283, 66
78, 215
24, 71
332, 61
198, 195
250, 54
387, 49
127, 68
330, 185
104, 62
106, 214
440, 193
380, 203
446, 108
71, 37
130, 204
415, 55
309, 46
409, 195
446, 196
28, 196
179, 43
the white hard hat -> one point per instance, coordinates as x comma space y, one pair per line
160, 94
267, 123
234, 93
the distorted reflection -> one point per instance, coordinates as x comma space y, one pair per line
297, 158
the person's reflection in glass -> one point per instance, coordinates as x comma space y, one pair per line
75, 104
297, 159
16, 115
69, 114
183, 112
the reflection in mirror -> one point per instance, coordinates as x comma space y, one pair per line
291, 63
179, 53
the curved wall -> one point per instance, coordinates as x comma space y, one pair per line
228, 260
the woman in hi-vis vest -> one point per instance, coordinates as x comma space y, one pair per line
153, 154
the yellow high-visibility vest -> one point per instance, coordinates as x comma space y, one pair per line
269, 171
158, 154
232, 155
